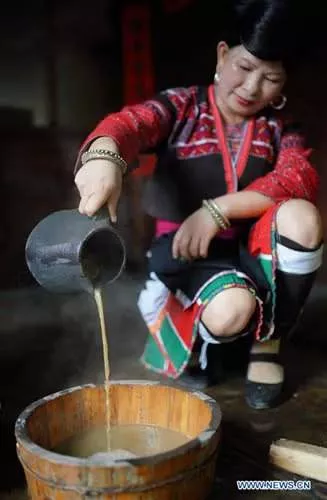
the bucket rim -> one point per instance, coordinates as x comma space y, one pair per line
23, 439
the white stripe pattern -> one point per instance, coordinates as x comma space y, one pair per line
263, 144
296, 262
196, 143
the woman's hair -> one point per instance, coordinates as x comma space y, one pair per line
270, 29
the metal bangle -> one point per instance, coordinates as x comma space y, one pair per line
218, 220
104, 154
219, 213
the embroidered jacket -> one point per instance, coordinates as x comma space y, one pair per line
184, 128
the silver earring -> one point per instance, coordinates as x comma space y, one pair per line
281, 104
216, 78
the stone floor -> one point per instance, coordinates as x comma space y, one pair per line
49, 342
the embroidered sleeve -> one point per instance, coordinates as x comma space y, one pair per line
141, 127
293, 176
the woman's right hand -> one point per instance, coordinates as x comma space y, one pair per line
99, 182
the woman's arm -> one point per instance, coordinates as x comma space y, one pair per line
293, 177
244, 204
133, 130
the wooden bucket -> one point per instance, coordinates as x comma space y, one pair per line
187, 472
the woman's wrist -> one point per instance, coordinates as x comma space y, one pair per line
217, 214
99, 144
224, 207
105, 148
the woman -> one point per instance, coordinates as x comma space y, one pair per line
238, 236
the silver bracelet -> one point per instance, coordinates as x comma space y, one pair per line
105, 154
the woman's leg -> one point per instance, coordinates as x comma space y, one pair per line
208, 297
229, 312
224, 319
299, 253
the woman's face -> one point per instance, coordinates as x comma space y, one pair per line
247, 84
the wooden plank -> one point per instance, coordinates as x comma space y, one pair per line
300, 458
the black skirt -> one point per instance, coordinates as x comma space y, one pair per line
189, 276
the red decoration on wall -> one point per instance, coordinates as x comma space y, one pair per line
138, 69
172, 6
137, 57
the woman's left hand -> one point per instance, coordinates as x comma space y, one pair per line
194, 236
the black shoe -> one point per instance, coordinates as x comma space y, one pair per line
197, 379
260, 395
